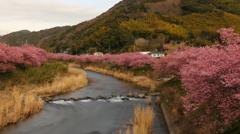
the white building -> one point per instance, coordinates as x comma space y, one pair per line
156, 54
98, 54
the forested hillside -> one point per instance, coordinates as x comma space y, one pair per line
134, 25
35, 38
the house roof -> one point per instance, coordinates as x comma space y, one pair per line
156, 52
98, 53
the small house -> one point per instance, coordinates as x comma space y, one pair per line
98, 54
156, 54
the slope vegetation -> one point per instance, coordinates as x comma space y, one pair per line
156, 21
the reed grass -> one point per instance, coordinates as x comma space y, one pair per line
143, 121
128, 131
17, 106
141, 81
158, 101
23, 101
149, 100
74, 80
74, 65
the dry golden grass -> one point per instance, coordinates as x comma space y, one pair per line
144, 82
122, 76
74, 80
99, 70
152, 88
158, 101
149, 100
143, 120
17, 106
141, 81
74, 65
128, 131
116, 74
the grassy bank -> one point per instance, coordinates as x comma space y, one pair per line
73, 80
21, 89
16, 106
141, 81
134, 76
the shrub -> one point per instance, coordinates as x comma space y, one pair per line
46, 73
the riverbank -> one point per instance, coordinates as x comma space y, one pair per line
70, 82
129, 76
143, 81
20, 101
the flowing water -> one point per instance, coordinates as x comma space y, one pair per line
87, 116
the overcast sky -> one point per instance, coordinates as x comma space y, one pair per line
35, 15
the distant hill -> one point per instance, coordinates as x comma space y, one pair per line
133, 25
22, 32
36, 38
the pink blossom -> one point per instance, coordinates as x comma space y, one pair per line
27, 55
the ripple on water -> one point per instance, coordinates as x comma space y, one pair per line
62, 102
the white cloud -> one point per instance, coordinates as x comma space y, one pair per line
35, 15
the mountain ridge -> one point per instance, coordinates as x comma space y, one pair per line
156, 21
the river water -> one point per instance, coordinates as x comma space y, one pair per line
87, 116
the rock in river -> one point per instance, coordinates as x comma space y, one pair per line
124, 98
135, 95
47, 99
141, 95
130, 94
74, 99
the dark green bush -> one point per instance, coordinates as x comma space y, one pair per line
46, 73
2, 86
234, 129
142, 70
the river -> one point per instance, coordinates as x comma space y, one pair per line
87, 116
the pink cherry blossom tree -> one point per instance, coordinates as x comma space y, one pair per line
211, 79
10, 57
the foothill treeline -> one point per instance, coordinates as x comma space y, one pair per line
209, 75
119, 29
